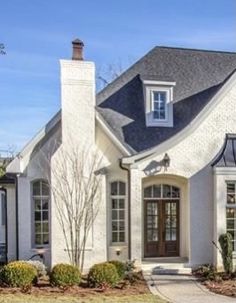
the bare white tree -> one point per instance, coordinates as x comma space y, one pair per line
75, 183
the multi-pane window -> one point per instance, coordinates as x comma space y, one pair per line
41, 198
118, 198
231, 211
162, 191
159, 105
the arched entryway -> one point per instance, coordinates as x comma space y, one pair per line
161, 220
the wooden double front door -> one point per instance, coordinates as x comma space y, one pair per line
161, 228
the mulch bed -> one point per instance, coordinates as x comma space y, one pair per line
43, 288
227, 288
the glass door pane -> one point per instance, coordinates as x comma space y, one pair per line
152, 221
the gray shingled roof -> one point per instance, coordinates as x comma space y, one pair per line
227, 156
198, 75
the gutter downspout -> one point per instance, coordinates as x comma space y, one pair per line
17, 219
129, 210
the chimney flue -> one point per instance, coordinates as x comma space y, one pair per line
78, 46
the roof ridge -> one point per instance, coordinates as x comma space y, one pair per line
196, 49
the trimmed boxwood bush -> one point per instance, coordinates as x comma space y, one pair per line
120, 267
18, 274
103, 275
63, 275
226, 245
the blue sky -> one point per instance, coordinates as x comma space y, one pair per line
37, 33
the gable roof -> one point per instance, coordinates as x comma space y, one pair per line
198, 74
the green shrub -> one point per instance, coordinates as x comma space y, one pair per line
18, 274
225, 241
65, 275
205, 272
103, 275
120, 267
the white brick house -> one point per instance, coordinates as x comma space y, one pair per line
166, 130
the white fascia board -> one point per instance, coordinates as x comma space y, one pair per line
110, 134
230, 83
224, 170
158, 83
15, 165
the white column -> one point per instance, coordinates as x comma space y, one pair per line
136, 215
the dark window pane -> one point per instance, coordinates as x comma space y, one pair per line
230, 198
114, 204
45, 204
114, 188
122, 237
38, 239
37, 204
231, 188
114, 215
37, 216
156, 191
45, 239
162, 114
231, 213
36, 189
230, 224
114, 226
45, 188
45, 215
156, 115
166, 191
162, 96
114, 237
148, 192
121, 225
37, 228
175, 192
121, 214
121, 203
121, 188
45, 227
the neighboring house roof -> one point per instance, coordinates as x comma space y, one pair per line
227, 156
198, 74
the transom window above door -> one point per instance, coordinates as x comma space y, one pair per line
161, 191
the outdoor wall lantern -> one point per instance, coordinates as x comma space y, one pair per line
166, 161
118, 251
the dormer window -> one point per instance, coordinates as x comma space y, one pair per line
158, 103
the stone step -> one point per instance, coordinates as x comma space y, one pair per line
167, 269
172, 271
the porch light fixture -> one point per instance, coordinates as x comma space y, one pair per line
166, 161
118, 251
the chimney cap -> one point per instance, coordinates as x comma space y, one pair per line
78, 46
78, 41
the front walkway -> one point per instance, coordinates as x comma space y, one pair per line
182, 289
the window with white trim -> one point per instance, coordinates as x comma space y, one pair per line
118, 199
158, 97
231, 211
159, 108
41, 200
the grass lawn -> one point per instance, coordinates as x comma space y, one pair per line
20, 298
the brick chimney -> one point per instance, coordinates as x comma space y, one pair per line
78, 98
78, 46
